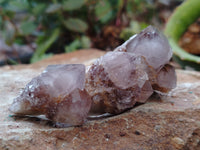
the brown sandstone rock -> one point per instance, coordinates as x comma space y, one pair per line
193, 141
169, 122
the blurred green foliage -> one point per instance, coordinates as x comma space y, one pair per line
134, 28
67, 24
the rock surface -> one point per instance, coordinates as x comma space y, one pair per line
168, 122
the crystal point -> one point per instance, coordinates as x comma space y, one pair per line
166, 79
151, 44
115, 80
57, 93
131, 73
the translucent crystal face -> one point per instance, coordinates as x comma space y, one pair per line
55, 93
116, 81
62, 79
122, 69
166, 79
131, 73
145, 92
151, 44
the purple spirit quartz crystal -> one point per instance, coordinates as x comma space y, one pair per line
151, 44
116, 81
155, 47
57, 93
112, 84
131, 73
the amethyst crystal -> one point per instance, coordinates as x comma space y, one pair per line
114, 83
154, 46
165, 79
117, 81
57, 93
145, 92
151, 44
131, 73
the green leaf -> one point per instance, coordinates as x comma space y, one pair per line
1, 21
85, 42
73, 46
103, 11
42, 47
2, 1
135, 27
27, 27
9, 33
17, 5
186, 14
12, 61
181, 19
73, 4
76, 25
44, 56
39, 9
119, 4
53, 8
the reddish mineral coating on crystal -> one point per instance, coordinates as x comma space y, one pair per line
166, 79
155, 47
57, 93
116, 81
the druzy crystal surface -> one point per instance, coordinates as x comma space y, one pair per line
59, 93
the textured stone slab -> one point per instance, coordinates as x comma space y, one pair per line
169, 122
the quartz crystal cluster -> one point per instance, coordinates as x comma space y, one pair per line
131, 73
112, 84
59, 93
117, 81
